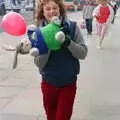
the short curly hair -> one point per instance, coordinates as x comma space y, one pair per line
39, 9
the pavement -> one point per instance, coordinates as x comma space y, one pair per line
98, 91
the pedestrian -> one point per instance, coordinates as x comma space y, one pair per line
2, 8
16, 1
59, 68
87, 15
103, 15
114, 5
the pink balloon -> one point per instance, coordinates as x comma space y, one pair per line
14, 24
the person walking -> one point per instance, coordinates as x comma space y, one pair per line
16, 1
114, 5
59, 68
59, 73
103, 15
87, 16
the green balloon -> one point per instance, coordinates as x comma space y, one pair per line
49, 33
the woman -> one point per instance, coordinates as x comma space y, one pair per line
103, 14
59, 68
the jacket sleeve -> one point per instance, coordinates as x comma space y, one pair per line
110, 18
96, 11
41, 60
78, 47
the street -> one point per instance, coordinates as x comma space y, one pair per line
98, 90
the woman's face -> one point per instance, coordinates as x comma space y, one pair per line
51, 9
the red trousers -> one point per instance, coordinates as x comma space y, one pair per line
58, 102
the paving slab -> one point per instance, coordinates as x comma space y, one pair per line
18, 117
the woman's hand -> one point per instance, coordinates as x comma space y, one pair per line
63, 39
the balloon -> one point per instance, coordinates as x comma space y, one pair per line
14, 24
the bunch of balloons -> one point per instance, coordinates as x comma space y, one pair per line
14, 24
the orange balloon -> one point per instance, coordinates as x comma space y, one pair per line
14, 24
